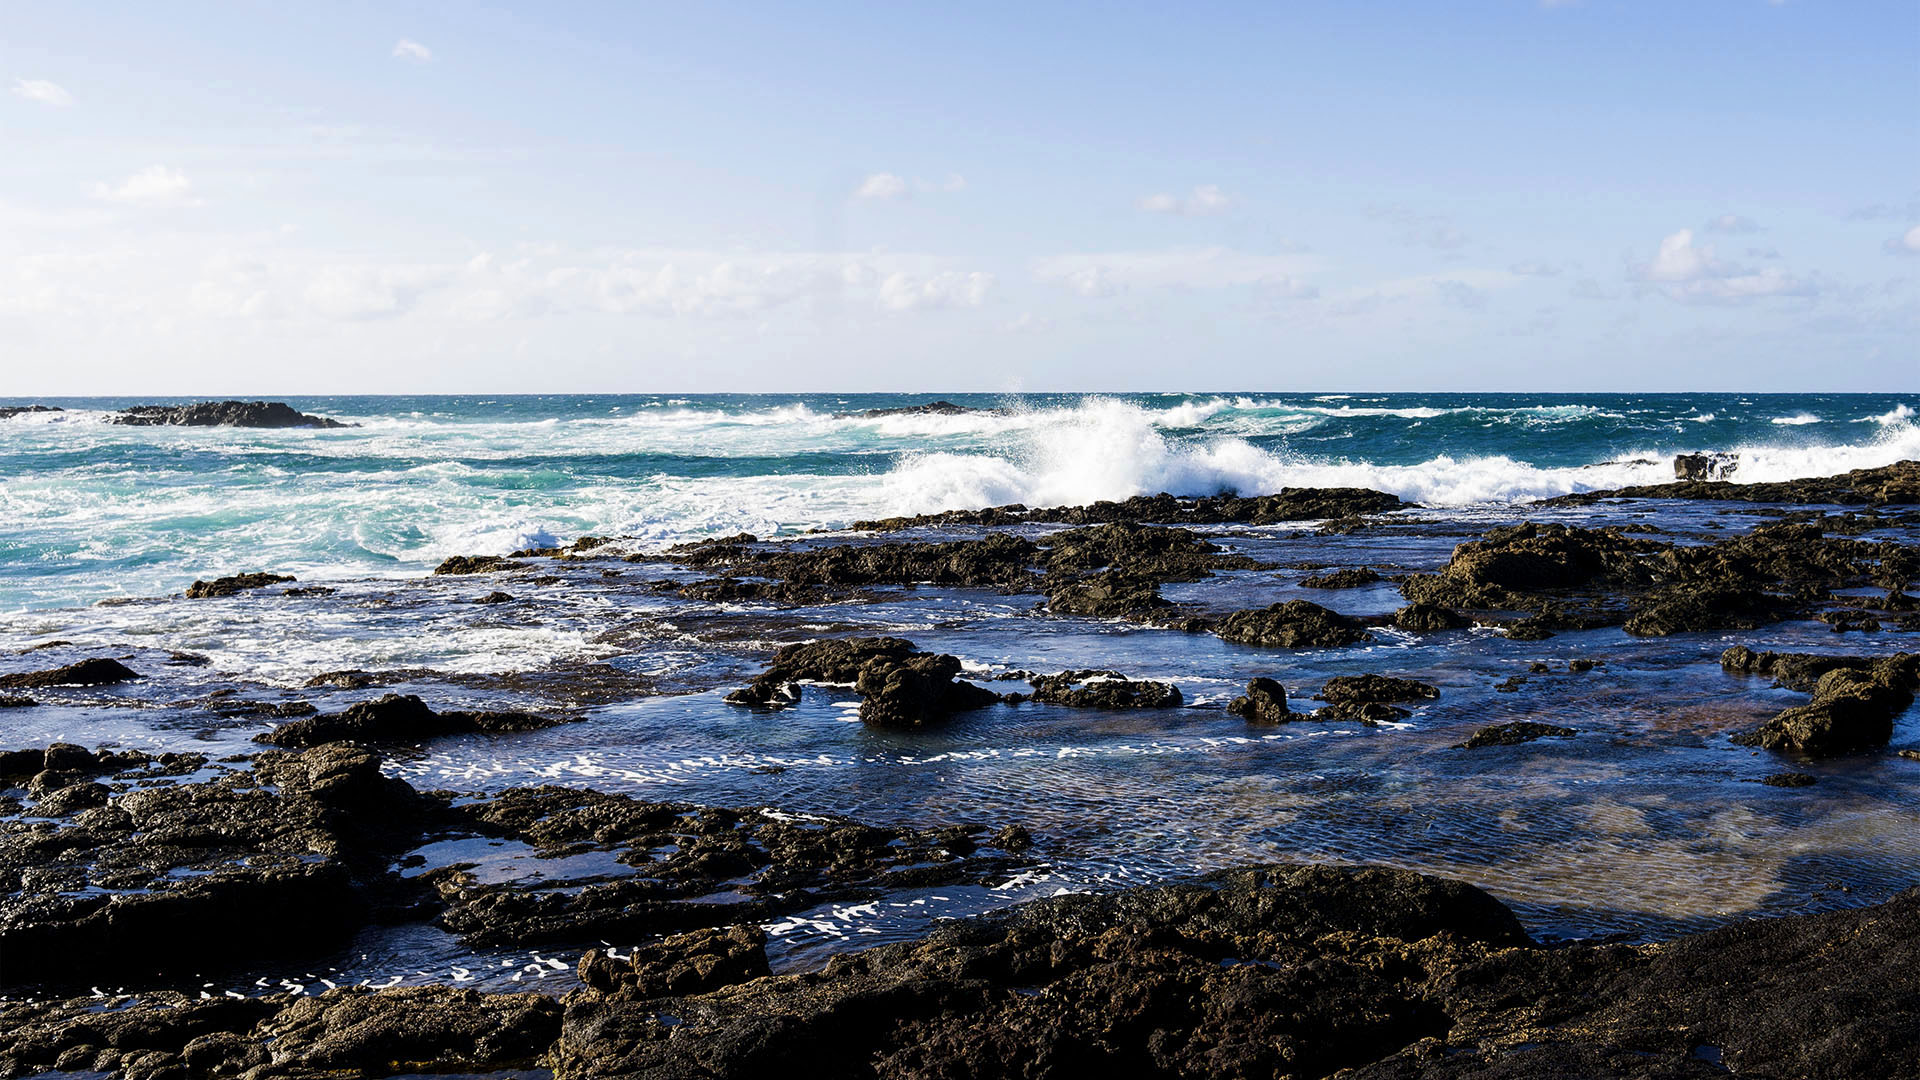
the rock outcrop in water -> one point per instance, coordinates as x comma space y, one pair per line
1295, 624
237, 583
1265, 702
253, 414
898, 685
931, 408
1894, 484
1853, 706
399, 718
1104, 690
1708, 466
1288, 504
99, 671
8, 412
1515, 733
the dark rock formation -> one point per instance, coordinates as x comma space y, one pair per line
898, 685
1795, 671
256, 414
1790, 779
1361, 689
228, 586
690, 963
1896, 484
273, 862
1708, 466
1265, 702
398, 718
1295, 624
16, 702
1104, 690
1110, 594
8, 412
1288, 504
931, 408
98, 671
477, 564
1852, 709
495, 597
918, 690
1425, 618
1346, 578
1284, 972
1515, 733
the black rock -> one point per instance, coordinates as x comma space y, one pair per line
1515, 733
255, 414
1265, 702
228, 586
98, 671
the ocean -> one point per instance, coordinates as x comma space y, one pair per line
96, 510
1649, 823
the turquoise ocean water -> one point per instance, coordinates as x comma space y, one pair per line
94, 510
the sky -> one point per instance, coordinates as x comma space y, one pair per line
1599, 195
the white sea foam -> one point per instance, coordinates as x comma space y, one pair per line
1797, 419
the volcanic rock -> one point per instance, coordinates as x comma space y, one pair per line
1104, 690
398, 718
255, 414
98, 671
228, 586
1295, 624
1265, 702
1361, 689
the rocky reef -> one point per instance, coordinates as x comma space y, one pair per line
253, 414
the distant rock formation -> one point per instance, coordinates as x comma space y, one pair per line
8, 412
1712, 466
931, 408
255, 414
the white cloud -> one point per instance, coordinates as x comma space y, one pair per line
1205, 199
409, 49
42, 91
155, 185
1460, 294
1534, 269
901, 291
881, 186
1907, 243
1732, 225
1693, 273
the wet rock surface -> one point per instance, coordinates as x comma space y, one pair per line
1265, 702
1288, 504
477, 564
256, 414
399, 718
1898, 483
1346, 578
899, 686
235, 584
100, 671
1275, 971
1360, 689
8, 412
1853, 708
1293, 624
1104, 690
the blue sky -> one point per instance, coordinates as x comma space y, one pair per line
1592, 195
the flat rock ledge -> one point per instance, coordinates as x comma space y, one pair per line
1269, 971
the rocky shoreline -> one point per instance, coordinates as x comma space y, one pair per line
127, 868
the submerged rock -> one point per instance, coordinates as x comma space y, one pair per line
98, 671
1265, 702
1295, 624
257, 414
1514, 733
228, 586
398, 718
